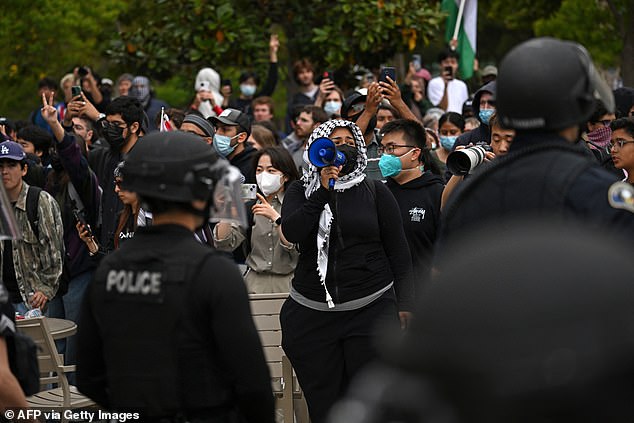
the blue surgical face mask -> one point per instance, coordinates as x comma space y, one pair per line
332, 107
391, 165
247, 89
222, 144
485, 115
447, 142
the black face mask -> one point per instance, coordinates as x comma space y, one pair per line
351, 154
114, 136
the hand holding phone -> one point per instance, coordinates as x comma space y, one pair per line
80, 218
388, 71
447, 73
75, 91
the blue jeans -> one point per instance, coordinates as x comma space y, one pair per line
68, 308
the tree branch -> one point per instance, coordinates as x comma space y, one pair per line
618, 17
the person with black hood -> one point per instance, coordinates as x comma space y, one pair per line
406, 164
353, 272
122, 126
483, 107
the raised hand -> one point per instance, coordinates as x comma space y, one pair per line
49, 112
390, 90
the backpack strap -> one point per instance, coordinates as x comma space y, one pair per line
32, 208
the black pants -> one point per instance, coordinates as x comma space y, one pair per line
327, 349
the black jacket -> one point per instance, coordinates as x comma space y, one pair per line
103, 162
368, 254
529, 183
419, 202
166, 328
244, 162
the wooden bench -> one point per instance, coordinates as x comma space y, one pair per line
52, 371
265, 309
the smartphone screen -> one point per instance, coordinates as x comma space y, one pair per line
388, 71
75, 91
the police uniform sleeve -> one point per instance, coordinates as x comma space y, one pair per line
588, 197
395, 245
235, 335
91, 366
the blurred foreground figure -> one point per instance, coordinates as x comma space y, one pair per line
523, 326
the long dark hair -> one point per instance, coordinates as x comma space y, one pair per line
280, 160
126, 214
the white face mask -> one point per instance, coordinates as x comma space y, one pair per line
269, 183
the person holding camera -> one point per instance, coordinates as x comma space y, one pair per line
501, 140
446, 91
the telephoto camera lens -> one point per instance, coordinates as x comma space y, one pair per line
462, 162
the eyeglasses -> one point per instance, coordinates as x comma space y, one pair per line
117, 183
620, 141
389, 149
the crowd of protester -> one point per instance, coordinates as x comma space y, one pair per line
368, 252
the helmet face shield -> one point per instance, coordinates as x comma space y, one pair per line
8, 225
226, 202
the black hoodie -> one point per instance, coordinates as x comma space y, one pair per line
482, 133
419, 202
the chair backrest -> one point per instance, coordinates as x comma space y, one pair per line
265, 309
51, 363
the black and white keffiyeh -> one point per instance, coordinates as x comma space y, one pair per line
312, 181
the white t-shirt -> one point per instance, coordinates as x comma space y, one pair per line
457, 93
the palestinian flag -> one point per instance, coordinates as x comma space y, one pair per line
467, 33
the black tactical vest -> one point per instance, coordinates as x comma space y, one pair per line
533, 181
158, 350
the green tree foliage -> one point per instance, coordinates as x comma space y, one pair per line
47, 38
588, 22
165, 37
604, 27
179, 35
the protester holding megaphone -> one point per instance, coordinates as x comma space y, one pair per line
354, 269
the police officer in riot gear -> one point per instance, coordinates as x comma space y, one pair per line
166, 328
545, 89
522, 326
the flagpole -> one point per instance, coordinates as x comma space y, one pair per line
458, 21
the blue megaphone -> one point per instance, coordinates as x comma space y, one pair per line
323, 152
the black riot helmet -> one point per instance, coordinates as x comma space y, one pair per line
548, 84
178, 167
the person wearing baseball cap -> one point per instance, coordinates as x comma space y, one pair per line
232, 130
36, 260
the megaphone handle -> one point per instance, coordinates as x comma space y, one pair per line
331, 184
